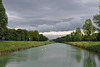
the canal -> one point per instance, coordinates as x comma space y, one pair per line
52, 55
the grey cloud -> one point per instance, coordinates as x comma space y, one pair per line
66, 20
49, 15
62, 26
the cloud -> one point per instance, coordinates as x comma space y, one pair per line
57, 33
61, 26
49, 15
53, 34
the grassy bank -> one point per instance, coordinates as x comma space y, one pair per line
9, 46
93, 46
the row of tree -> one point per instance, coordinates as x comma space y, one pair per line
16, 35
89, 32
21, 35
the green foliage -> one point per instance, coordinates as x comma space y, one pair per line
85, 38
96, 19
34, 35
98, 37
21, 35
88, 28
94, 37
42, 38
2, 31
3, 16
3, 21
78, 35
74, 36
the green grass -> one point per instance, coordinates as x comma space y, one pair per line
92, 46
17, 45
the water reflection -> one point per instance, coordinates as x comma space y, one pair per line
78, 55
4, 60
55, 55
89, 59
98, 56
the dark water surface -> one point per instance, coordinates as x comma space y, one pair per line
52, 55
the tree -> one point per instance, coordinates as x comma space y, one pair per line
16, 35
68, 38
34, 35
94, 37
1, 33
20, 36
96, 19
42, 38
3, 20
26, 34
3, 16
78, 34
72, 36
88, 28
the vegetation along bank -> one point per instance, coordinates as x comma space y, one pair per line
92, 46
10, 46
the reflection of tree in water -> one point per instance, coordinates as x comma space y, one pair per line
89, 60
29, 54
78, 55
86, 57
3, 61
98, 56
21, 56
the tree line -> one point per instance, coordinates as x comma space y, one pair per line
19, 34
90, 32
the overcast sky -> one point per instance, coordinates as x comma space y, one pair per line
49, 15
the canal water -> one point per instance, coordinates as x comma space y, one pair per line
52, 55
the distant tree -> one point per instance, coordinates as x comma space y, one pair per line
20, 35
34, 35
26, 35
40, 37
72, 38
88, 28
7, 35
68, 38
78, 34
